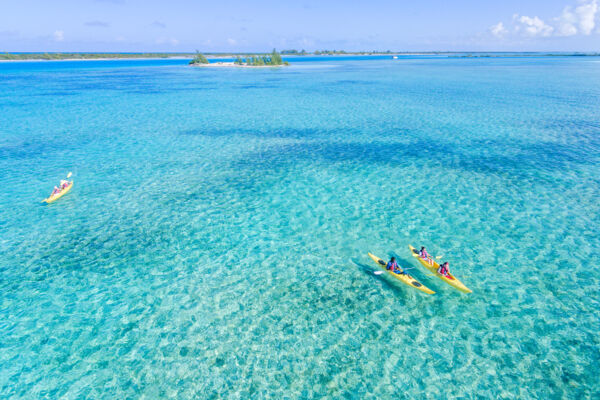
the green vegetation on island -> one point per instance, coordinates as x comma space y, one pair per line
328, 52
294, 52
272, 59
199, 58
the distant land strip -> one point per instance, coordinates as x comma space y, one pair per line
17, 56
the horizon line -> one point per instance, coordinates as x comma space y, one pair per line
339, 52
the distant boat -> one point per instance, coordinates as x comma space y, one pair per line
395, 57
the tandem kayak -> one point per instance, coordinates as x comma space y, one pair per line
59, 194
404, 278
450, 279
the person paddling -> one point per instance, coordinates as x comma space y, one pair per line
443, 269
392, 265
425, 255
62, 188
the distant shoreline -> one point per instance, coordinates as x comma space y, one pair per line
4, 57
98, 59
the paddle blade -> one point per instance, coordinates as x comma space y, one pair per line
378, 272
438, 257
69, 175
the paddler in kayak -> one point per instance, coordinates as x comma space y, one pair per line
55, 191
393, 266
443, 269
425, 255
63, 184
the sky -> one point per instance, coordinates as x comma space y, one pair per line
260, 25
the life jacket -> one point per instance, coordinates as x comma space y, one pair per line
392, 266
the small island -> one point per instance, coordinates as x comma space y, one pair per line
249, 61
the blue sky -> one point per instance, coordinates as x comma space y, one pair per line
233, 25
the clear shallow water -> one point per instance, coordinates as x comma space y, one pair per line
214, 244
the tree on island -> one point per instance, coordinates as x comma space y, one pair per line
329, 52
199, 59
276, 58
260, 61
238, 60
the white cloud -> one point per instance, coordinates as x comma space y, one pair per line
580, 20
498, 30
566, 23
59, 36
586, 12
231, 41
532, 26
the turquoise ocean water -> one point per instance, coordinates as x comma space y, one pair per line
215, 242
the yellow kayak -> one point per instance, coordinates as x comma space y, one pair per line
404, 278
59, 194
450, 279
